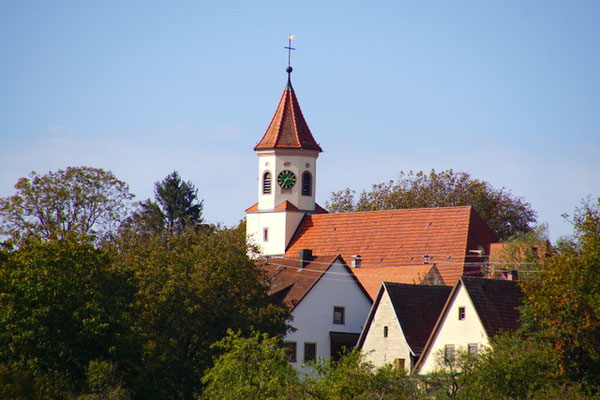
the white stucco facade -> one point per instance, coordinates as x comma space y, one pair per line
453, 331
379, 349
271, 229
313, 316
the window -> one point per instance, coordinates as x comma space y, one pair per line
290, 350
267, 183
385, 331
306, 184
449, 353
265, 234
338, 315
473, 349
399, 364
310, 351
461, 313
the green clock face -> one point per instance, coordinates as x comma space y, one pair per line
286, 179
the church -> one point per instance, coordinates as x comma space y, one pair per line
328, 267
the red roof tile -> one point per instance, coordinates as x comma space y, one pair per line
286, 206
288, 129
397, 238
371, 277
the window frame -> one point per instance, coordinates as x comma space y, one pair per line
342, 310
314, 351
307, 180
461, 313
291, 350
267, 184
386, 331
449, 353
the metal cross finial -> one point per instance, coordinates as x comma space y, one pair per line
290, 48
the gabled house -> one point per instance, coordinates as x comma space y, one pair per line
400, 322
476, 310
328, 305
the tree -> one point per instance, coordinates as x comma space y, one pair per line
251, 368
564, 299
194, 286
82, 200
176, 207
62, 305
351, 377
506, 214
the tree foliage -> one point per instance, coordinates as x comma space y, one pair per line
193, 287
83, 200
564, 299
62, 306
175, 207
251, 368
506, 214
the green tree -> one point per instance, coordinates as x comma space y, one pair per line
564, 299
251, 368
176, 207
506, 214
83, 200
62, 304
351, 378
194, 286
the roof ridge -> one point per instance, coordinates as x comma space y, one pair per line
408, 209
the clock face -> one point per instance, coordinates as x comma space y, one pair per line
286, 179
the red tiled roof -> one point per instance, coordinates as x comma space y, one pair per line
286, 206
397, 238
371, 277
288, 129
291, 283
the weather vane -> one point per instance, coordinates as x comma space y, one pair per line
290, 48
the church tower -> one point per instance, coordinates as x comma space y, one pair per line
287, 172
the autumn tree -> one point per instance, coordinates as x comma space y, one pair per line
505, 213
83, 200
175, 207
564, 299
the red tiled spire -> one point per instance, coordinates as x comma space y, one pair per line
288, 129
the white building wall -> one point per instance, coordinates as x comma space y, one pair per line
382, 350
297, 161
455, 332
281, 225
313, 316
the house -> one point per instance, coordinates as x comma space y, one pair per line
476, 310
328, 305
400, 322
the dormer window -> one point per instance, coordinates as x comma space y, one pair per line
306, 184
267, 183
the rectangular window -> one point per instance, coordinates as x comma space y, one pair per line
290, 350
461, 313
399, 364
449, 353
473, 349
265, 234
385, 331
338, 315
310, 352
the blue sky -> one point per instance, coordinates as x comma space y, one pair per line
506, 91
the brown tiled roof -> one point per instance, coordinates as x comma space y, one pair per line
371, 277
417, 308
289, 282
397, 238
253, 207
288, 129
496, 301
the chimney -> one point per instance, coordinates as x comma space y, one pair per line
305, 256
356, 261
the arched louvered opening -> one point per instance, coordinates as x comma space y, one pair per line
267, 183
306, 184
